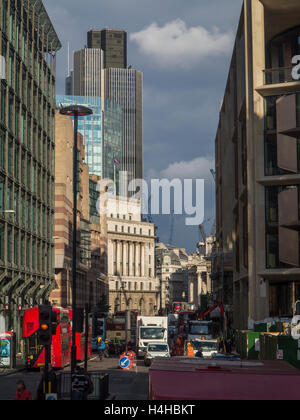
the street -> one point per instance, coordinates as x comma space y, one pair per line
123, 385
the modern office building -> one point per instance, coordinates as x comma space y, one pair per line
102, 133
100, 70
125, 87
87, 72
113, 42
258, 165
29, 44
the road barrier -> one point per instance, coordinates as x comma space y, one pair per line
100, 385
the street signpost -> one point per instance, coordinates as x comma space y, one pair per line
124, 362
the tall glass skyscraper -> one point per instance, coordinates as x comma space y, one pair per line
102, 133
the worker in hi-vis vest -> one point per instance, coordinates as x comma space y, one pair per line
190, 350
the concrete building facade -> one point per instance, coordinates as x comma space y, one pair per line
87, 72
257, 165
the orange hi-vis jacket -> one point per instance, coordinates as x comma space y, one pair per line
190, 351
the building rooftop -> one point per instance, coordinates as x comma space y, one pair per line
40, 12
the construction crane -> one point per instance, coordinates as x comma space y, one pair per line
171, 229
201, 227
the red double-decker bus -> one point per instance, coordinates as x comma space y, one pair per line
60, 347
80, 341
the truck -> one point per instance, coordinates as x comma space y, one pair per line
150, 329
200, 330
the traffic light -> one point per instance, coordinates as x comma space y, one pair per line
45, 325
54, 322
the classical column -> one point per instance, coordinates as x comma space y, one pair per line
111, 258
125, 259
131, 259
143, 246
137, 259
199, 288
119, 257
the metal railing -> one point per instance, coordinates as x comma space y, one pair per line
278, 75
100, 386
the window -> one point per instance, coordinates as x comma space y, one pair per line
2, 244
2, 150
9, 244
2, 184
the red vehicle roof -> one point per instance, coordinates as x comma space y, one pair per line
192, 379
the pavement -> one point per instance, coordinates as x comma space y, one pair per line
20, 366
123, 385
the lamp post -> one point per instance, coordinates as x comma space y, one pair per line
75, 111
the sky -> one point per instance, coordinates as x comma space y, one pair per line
183, 48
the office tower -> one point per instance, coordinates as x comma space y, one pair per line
113, 42
125, 87
94, 39
88, 64
69, 84
101, 131
29, 44
258, 168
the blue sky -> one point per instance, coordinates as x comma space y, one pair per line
183, 47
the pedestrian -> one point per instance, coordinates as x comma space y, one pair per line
22, 393
190, 350
101, 347
52, 379
80, 385
41, 391
228, 346
199, 353
90, 388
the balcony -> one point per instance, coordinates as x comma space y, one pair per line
278, 81
278, 75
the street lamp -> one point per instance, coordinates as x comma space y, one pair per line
75, 111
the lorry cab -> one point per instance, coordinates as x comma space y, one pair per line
200, 329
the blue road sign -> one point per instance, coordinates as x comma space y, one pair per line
124, 362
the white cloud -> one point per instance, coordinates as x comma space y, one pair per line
174, 44
198, 168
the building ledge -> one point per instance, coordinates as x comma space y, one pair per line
278, 88
281, 274
293, 179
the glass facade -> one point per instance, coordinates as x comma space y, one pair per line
101, 131
27, 99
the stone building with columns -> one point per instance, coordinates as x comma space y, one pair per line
130, 257
182, 277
